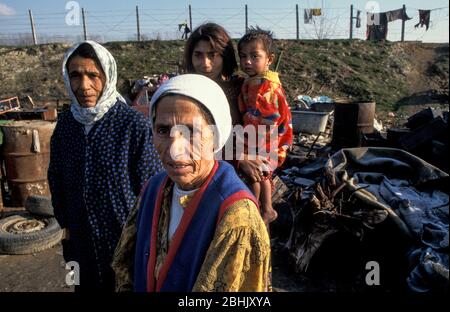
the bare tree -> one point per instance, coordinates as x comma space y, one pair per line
325, 24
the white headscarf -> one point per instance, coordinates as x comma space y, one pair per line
205, 91
88, 116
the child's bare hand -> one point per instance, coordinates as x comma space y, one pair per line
252, 169
265, 165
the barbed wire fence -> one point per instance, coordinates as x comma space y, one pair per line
141, 24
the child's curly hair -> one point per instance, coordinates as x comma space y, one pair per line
264, 36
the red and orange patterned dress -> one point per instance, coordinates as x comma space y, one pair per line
263, 102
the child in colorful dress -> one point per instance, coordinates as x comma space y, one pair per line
263, 104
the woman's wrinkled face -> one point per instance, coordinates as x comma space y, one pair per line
207, 61
87, 80
184, 141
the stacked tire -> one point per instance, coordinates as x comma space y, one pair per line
31, 231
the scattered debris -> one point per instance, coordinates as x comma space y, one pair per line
423, 117
31, 101
425, 137
351, 199
423, 134
10, 104
304, 182
305, 101
368, 192
377, 125
143, 89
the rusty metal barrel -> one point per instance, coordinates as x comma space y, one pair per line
351, 120
26, 151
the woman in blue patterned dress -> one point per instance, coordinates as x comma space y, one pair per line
101, 156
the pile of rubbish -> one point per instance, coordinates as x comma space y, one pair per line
147, 84
425, 135
386, 203
143, 89
305, 101
153, 81
362, 191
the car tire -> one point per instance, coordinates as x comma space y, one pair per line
39, 205
25, 234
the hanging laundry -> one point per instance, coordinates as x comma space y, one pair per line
377, 23
424, 19
308, 16
358, 19
316, 12
397, 14
377, 26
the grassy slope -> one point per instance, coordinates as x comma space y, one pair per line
387, 72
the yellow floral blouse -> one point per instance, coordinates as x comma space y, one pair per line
238, 258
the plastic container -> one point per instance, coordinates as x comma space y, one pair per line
322, 107
309, 121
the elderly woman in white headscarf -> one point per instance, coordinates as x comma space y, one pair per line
101, 155
197, 226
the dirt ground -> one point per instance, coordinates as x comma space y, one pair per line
44, 272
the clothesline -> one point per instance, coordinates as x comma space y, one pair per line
435, 9
408, 7
379, 30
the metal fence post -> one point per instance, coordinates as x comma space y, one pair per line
33, 30
246, 19
297, 21
84, 24
351, 21
190, 17
403, 23
137, 25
